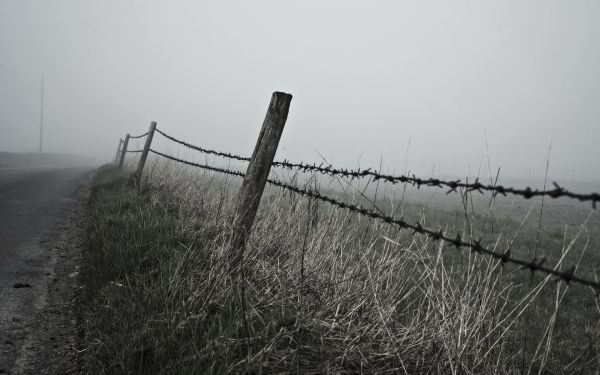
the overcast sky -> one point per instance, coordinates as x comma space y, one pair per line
368, 78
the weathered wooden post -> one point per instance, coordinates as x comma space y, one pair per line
142, 162
124, 150
251, 191
118, 150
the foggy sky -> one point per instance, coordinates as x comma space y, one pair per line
368, 78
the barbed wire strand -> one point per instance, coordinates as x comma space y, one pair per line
535, 265
138, 136
452, 185
134, 151
201, 149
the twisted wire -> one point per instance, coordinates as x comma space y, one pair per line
535, 265
138, 136
201, 149
203, 166
451, 185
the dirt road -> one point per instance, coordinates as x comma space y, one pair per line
37, 324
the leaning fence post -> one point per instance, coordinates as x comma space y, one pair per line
124, 150
251, 191
142, 162
118, 150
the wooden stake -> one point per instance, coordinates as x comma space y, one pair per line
124, 150
140, 168
118, 150
251, 191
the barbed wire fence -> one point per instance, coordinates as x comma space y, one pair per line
567, 274
452, 185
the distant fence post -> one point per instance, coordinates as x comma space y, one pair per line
140, 168
124, 150
251, 191
118, 150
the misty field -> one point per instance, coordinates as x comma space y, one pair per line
327, 291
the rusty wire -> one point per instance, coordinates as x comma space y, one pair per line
451, 185
475, 246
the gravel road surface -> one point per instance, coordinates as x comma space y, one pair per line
38, 212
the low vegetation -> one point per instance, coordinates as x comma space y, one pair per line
323, 291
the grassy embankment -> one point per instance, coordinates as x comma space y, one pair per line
324, 291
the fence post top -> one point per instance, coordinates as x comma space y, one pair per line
280, 102
278, 95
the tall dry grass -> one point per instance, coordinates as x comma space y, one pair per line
323, 291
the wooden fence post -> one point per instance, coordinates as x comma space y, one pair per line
251, 191
140, 168
124, 150
118, 150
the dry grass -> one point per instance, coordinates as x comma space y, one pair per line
323, 291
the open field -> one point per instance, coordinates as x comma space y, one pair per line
325, 291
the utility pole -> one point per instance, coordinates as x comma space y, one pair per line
42, 117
